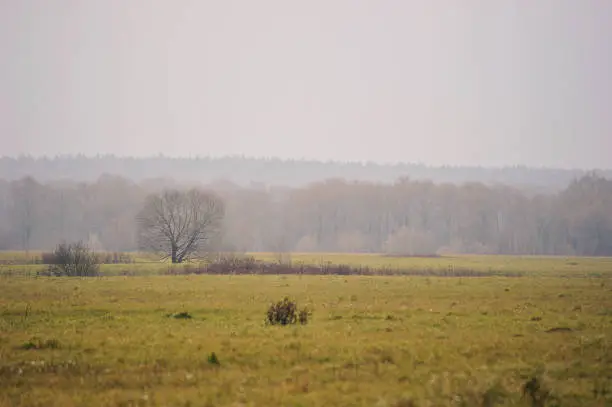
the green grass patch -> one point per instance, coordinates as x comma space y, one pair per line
371, 340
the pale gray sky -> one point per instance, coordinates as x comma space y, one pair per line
440, 82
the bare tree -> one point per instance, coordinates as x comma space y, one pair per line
179, 224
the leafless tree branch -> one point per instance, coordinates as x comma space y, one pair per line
178, 224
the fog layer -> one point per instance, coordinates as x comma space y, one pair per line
475, 82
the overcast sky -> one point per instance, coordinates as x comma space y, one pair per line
476, 82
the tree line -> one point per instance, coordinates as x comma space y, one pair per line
404, 217
275, 171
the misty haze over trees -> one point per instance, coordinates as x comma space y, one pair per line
393, 214
274, 171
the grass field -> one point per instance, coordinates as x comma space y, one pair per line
527, 265
371, 341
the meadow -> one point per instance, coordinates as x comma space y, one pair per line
19, 264
403, 340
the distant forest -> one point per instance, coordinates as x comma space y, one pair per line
390, 210
293, 173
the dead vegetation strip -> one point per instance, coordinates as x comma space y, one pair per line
266, 268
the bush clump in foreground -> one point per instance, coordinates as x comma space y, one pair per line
286, 312
73, 260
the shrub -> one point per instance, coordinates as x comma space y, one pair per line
73, 259
285, 312
303, 316
213, 359
536, 391
115, 258
233, 262
102, 258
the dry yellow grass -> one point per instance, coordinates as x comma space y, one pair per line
372, 341
527, 265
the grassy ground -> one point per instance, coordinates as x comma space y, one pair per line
371, 341
533, 265
528, 265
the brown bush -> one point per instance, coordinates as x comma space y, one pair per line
285, 312
73, 260
101, 258
248, 265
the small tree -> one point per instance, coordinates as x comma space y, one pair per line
74, 260
179, 224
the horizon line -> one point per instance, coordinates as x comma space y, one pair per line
294, 159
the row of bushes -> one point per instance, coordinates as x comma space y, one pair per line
248, 265
75, 259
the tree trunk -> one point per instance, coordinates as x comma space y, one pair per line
174, 255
